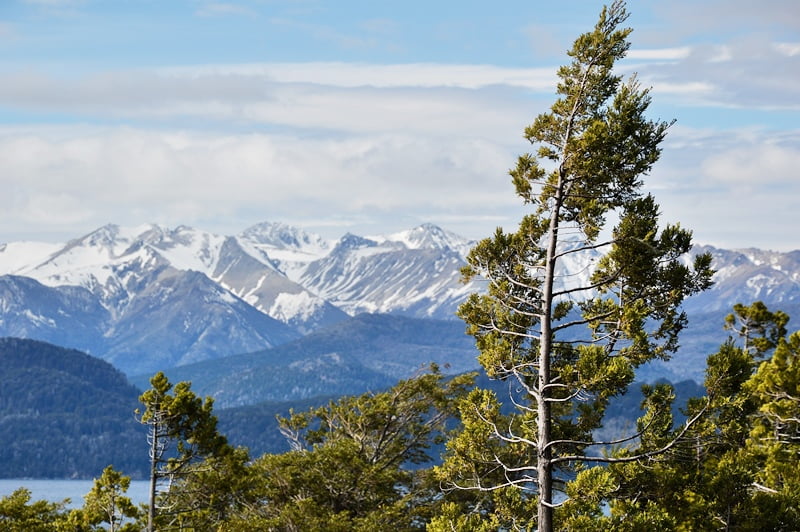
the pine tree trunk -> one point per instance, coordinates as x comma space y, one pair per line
151, 508
543, 466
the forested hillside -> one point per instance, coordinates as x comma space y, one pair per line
65, 414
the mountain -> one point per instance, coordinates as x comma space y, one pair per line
157, 297
143, 302
743, 276
151, 297
64, 315
414, 273
748, 275
65, 414
367, 352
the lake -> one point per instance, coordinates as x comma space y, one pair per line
58, 490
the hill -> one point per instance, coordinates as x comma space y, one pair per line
65, 414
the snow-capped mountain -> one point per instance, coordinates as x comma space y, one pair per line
164, 296
144, 303
149, 297
747, 275
287, 247
414, 273
70, 315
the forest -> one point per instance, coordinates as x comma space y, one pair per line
440, 454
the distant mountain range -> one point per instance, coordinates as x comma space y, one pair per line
151, 298
367, 352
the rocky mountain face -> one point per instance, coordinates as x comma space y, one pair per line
748, 275
150, 297
414, 273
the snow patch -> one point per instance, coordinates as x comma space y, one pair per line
39, 319
18, 257
300, 306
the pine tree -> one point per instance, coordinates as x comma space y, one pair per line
106, 502
568, 344
182, 430
358, 463
739, 467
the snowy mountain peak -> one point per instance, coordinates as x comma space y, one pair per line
19, 257
114, 238
431, 236
104, 239
350, 241
283, 236
284, 246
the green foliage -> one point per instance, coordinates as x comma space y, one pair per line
737, 467
211, 493
177, 417
106, 502
19, 514
362, 463
355, 463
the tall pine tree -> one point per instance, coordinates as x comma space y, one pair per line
569, 342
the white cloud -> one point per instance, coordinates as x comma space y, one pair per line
130, 175
750, 73
727, 187
380, 76
790, 49
480, 100
733, 188
755, 165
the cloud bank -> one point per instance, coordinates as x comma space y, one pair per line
376, 147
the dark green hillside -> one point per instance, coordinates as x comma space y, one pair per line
65, 414
256, 426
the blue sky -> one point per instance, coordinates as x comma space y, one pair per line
373, 117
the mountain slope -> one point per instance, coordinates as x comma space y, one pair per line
415, 274
147, 313
369, 351
179, 317
748, 275
269, 290
64, 315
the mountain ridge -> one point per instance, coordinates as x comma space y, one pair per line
150, 296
